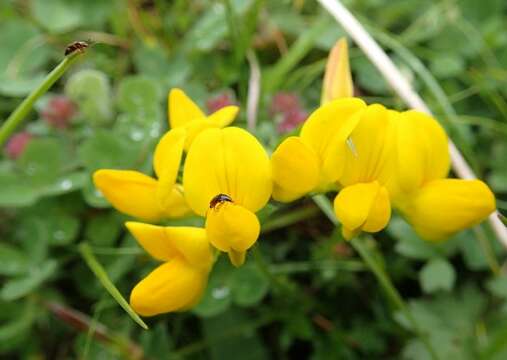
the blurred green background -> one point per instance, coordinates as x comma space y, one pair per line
303, 293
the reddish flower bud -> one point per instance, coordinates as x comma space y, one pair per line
17, 144
291, 120
284, 103
220, 101
59, 111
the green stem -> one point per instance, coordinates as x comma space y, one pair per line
101, 274
18, 115
289, 218
379, 272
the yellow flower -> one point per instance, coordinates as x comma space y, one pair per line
363, 203
314, 159
144, 197
231, 163
184, 113
337, 78
179, 282
435, 206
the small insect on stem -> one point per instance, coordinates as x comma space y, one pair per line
218, 200
79, 46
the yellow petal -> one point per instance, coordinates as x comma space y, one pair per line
225, 116
166, 243
173, 286
227, 161
422, 151
130, 192
172, 201
232, 227
167, 156
337, 78
195, 127
362, 206
373, 140
444, 207
295, 168
181, 109
237, 258
380, 212
329, 122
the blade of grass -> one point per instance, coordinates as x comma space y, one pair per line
18, 115
277, 74
102, 276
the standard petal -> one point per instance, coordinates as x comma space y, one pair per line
373, 141
328, 122
232, 227
167, 156
444, 207
295, 169
337, 78
173, 286
166, 243
224, 116
227, 161
181, 109
130, 192
421, 151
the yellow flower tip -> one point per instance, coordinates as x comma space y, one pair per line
232, 227
295, 170
167, 243
337, 78
443, 207
237, 258
130, 192
173, 286
224, 116
362, 207
181, 109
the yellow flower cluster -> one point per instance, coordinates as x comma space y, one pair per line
374, 157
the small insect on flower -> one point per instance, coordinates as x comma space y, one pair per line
76, 46
218, 200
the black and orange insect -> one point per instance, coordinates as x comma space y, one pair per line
76, 46
219, 199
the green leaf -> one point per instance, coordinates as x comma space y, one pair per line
136, 94
409, 244
102, 276
12, 260
107, 150
15, 191
42, 161
217, 297
104, 229
90, 89
16, 288
14, 332
437, 274
248, 285
57, 16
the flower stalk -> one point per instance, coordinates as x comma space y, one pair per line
378, 271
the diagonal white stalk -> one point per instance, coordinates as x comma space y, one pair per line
402, 87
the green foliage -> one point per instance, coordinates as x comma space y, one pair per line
304, 293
